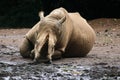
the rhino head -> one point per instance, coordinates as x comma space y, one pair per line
46, 38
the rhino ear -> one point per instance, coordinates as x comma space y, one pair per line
41, 15
62, 20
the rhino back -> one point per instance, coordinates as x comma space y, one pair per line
82, 38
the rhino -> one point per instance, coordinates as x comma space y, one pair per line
59, 34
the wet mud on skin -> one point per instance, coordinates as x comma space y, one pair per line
102, 63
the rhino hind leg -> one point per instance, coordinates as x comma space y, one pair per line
26, 48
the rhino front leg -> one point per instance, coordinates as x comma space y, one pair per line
26, 48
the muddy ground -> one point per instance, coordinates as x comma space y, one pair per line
102, 63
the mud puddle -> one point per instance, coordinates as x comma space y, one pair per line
58, 72
14, 67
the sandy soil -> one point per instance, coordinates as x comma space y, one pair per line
106, 50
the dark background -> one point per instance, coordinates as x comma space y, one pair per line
24, 13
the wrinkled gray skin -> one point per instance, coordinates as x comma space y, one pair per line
60, 34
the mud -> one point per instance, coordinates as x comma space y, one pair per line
102, 63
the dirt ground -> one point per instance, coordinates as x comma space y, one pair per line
102, 63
